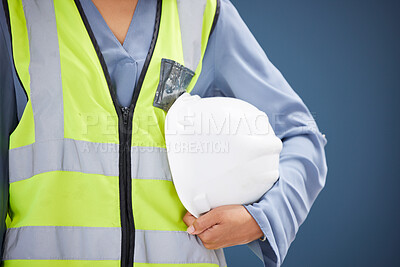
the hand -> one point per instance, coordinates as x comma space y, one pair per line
224, 226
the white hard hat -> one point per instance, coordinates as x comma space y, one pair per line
221, 151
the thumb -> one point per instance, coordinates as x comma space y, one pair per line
188, 219
203, 223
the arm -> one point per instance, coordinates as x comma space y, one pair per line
242, 70
8, 117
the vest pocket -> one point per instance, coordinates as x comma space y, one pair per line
174, 80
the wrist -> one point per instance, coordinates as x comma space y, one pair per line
262, 235
256, 231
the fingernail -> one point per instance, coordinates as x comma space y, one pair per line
190, 229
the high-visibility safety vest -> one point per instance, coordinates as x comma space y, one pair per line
90, 183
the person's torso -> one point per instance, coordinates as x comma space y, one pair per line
89, 178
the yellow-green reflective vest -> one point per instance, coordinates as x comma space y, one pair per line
90, 183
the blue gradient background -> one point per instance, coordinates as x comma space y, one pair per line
342, 58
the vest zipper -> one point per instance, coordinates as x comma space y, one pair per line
127, 220
125, 114
125, 117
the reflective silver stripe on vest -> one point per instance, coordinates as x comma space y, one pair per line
150, 163
191, 15
85, 157
44, 69
102, 243
62, 243
173, 248
63, 155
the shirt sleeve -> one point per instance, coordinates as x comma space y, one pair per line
236, 66
8, 118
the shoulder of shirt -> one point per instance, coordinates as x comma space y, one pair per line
227, 17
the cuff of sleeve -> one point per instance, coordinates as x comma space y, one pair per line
257, 219
269, 250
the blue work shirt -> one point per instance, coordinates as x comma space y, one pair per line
234, 65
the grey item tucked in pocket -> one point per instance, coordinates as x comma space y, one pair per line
174, 79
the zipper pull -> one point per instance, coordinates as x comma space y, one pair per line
125, 114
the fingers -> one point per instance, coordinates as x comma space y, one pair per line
207, 227
210, 237
188, 219
224, 226
203, 223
